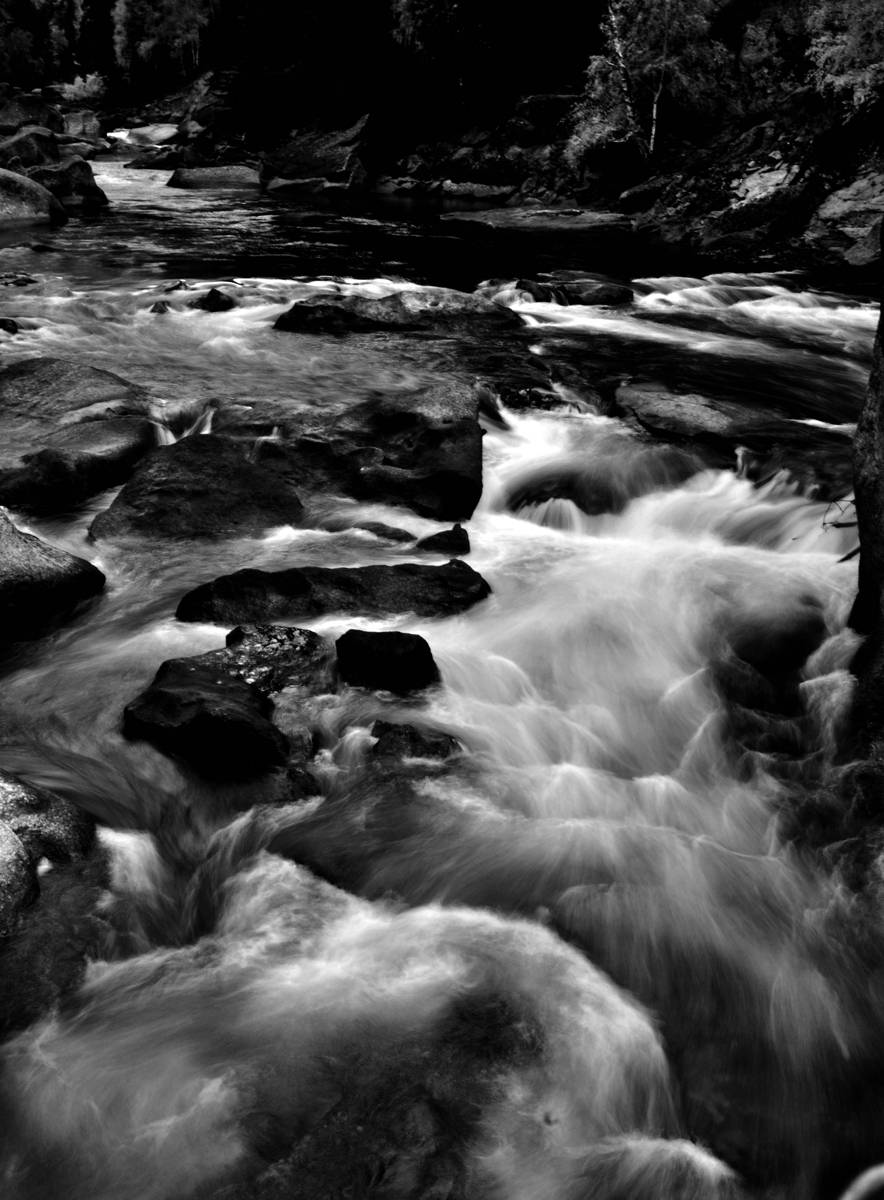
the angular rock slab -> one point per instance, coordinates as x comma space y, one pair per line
203, 487
392, 662
252, 595
39, 584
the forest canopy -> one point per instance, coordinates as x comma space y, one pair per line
649, 70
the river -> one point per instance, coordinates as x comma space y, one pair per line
671, 988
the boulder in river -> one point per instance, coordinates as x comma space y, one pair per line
411, 308
316, 159
153, 135
39, 584
31, 147
71, 182
397, 740
227, 177
219, 724
48, 924
299, 592
576, 290
213, 710
422, 450
76, 462
393, 662
817, 458
214, 301
64, 392
82, 123
431, 448
8, 325
204, 487
24, 201
454, 542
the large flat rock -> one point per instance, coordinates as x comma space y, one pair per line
302, 592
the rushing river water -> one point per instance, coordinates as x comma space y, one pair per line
614, 823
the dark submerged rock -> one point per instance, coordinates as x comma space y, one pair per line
398, 740
203, 487
252, 595
8, 325
214, 301
197, 711
39, 584
454, 542
393, 662
576, 291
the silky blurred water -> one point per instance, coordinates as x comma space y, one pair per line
608, 853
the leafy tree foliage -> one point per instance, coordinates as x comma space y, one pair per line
847, 48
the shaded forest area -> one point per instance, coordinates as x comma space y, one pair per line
648, 77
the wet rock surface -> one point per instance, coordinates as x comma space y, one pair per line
203, 487
426, 308
214, 710
76, 462
48, 919
399, 740
258, 596
454, 542
24, 201
39, 584
200, 712
819, 458
395, 662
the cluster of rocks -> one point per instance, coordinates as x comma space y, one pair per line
44, 168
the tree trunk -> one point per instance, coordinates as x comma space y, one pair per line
658, 93
619, 53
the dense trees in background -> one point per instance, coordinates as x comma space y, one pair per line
658, 70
